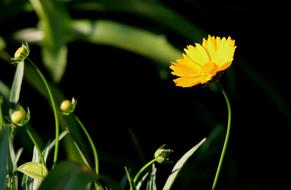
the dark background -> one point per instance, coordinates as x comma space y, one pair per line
128, 94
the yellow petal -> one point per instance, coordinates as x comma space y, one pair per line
185, 67
210, 46
181, 69
187, 81
224, 66
202, 62
225, 52
198, 54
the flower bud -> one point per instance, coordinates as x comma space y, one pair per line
162, 155
21, 53
67, 107
19, 116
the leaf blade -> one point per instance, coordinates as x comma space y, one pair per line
178, 166
34, 170
4, 152
17, 82
68, 175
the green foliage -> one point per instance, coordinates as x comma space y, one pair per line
68, 175
17, 82
2, 44
4, 152
34, 170
179, 165
54, 48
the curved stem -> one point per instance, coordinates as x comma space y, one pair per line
36, 145
91, 144
226, 137
137, 176
57, 128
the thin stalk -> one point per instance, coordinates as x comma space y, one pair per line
36, 145
137, 176
91, 144
226, 137
57, 128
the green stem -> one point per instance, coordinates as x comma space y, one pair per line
137, 176
36, 145
226, 137
57, 128
91, 144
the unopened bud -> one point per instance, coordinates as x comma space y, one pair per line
19, 117
162, 154
67, 107
21, 53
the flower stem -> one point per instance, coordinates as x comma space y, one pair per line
91, 144
137, 176
226, 137
57, 128
36, 145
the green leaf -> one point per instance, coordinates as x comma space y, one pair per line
68, 175
34, 170
151, 184
119, 35
2, 44
54, 22
4, 152
154, 11
48, 148
17, 82
110, 182
179, 165
4, 89
130, 180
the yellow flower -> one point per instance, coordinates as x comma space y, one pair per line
202, 62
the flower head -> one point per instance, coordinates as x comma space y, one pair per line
200, 63
19, 117
162, 154
21, 53
67, 107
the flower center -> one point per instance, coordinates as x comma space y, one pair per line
208, 71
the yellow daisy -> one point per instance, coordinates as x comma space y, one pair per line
200, 63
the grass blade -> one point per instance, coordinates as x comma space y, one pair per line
68, 175
17, 82
179, 165
4, 152
54, 50
119, 35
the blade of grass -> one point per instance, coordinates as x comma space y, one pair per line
4, 152
156, 12
54, 48
179, 165
2, 44
4, 89
17, 82
68, 175
130, 180
119, 35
